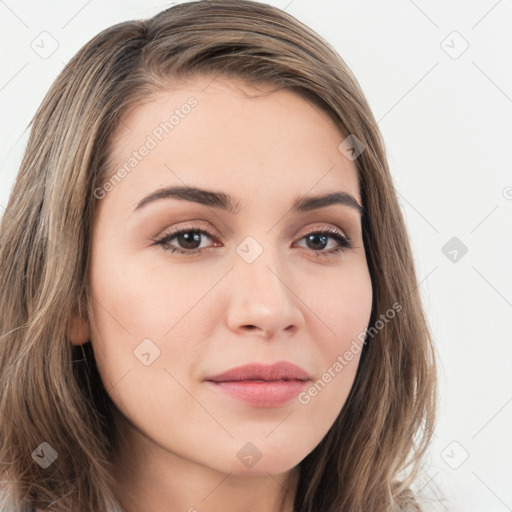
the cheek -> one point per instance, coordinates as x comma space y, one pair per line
136, 301
343, 306
138, 309
342, 302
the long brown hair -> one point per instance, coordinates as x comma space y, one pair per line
51, 391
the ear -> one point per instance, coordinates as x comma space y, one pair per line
78, 331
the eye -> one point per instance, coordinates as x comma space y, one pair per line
190, 238
319, 239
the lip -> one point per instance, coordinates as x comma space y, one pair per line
281, 370
263, 386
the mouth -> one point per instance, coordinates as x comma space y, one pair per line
261, 386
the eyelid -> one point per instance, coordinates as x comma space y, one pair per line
196, 227
172, 232
321, 227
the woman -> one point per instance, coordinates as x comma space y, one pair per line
209, 297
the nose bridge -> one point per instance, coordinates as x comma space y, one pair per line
260, 295
260, 268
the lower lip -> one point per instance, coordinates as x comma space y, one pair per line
262, 394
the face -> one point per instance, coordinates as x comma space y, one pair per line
185, 288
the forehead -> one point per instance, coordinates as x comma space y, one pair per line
222, 133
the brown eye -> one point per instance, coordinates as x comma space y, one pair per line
187, 240
317, 241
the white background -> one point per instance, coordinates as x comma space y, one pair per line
446, 120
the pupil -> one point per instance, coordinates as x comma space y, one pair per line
186, 239
312, 238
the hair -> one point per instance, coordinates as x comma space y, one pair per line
51, 390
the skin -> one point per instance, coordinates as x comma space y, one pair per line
212, 311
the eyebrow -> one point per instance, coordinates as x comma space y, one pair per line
228, 203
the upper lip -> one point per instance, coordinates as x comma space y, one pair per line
282, 370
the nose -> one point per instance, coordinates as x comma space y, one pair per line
263, 300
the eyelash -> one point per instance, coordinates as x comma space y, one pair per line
343, 241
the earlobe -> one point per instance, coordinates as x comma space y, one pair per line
79, 332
